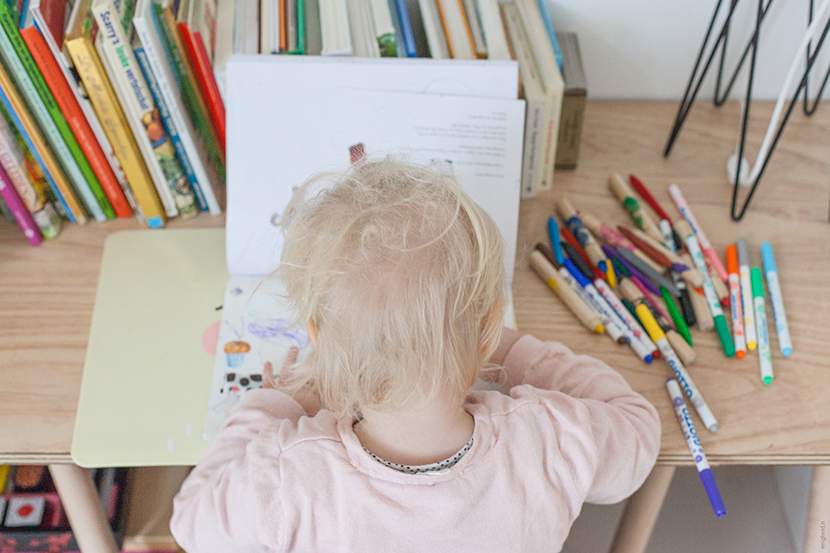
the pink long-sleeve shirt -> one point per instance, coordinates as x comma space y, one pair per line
571, 430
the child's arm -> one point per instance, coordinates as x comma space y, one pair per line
219, 506
608, 434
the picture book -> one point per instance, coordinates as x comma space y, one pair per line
435, 116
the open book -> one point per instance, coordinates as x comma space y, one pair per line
292, 117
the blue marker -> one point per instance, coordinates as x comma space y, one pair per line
553, 232
703, 469
774, 287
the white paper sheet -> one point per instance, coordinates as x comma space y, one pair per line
304, 131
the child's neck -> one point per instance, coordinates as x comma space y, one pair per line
428, 433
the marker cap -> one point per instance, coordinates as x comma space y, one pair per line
757, 282
708, 479
553, 232
732, 259
768, 258
725, 336
743, 252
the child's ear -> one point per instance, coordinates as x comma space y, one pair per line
311, 328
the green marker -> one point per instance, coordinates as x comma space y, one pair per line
683, 228
761, 324
676, 316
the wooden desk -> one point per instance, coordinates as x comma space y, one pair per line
47, 295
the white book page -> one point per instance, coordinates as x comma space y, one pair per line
278, 137
256, 328
482, 78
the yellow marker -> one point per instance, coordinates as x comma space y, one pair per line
611, 277
680, 372
551, 276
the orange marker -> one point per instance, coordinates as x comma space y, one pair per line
735, 300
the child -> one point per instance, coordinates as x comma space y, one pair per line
399, 277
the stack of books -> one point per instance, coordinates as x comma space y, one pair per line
115, 108
109, 109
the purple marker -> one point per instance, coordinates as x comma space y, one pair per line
632, 269
703, 469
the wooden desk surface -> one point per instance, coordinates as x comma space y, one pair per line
47, 293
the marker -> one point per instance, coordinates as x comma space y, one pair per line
699, 303
554, 280
693, 441
746, 294
764, 354
679, 346
553, 233
735, 301
639, 334
625, 195
685, 299
676, 317
576, 226
662, 255
684, 229
613, 324
614, 238
686, 211
777, 299
651, 274
680, 372
629, 268
573, 254
641, 189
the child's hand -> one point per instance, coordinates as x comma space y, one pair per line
305, 396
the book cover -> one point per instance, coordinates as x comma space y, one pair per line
493, 29
474, 23
456, 29
434, 30
195, 107
196, 55
77, 122
203, 169
49, 116
384, 28
170, 126
31, 134
135, 97
223, 47
551, 80
335, 34
50, 18
534, 96
574, 102
35, 198
19, 211
102, 97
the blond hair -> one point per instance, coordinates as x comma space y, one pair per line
402, 274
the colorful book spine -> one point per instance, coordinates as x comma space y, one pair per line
114, 123
195, 51
77, 122
136, 94
50, 117
166, 28
18, 209
170, 125
406, 29
31, 134
35, 199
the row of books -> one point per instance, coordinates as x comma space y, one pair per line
109, 108
552, 78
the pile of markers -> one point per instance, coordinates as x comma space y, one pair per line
646, 286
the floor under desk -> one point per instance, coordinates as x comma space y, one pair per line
48, 292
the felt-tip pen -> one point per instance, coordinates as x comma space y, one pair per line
692, 440
746, 293
781, 328
764, 354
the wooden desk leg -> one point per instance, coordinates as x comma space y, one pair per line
83, 508
641, 512
817, 533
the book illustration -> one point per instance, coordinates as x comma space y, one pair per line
256, 328
170, 166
